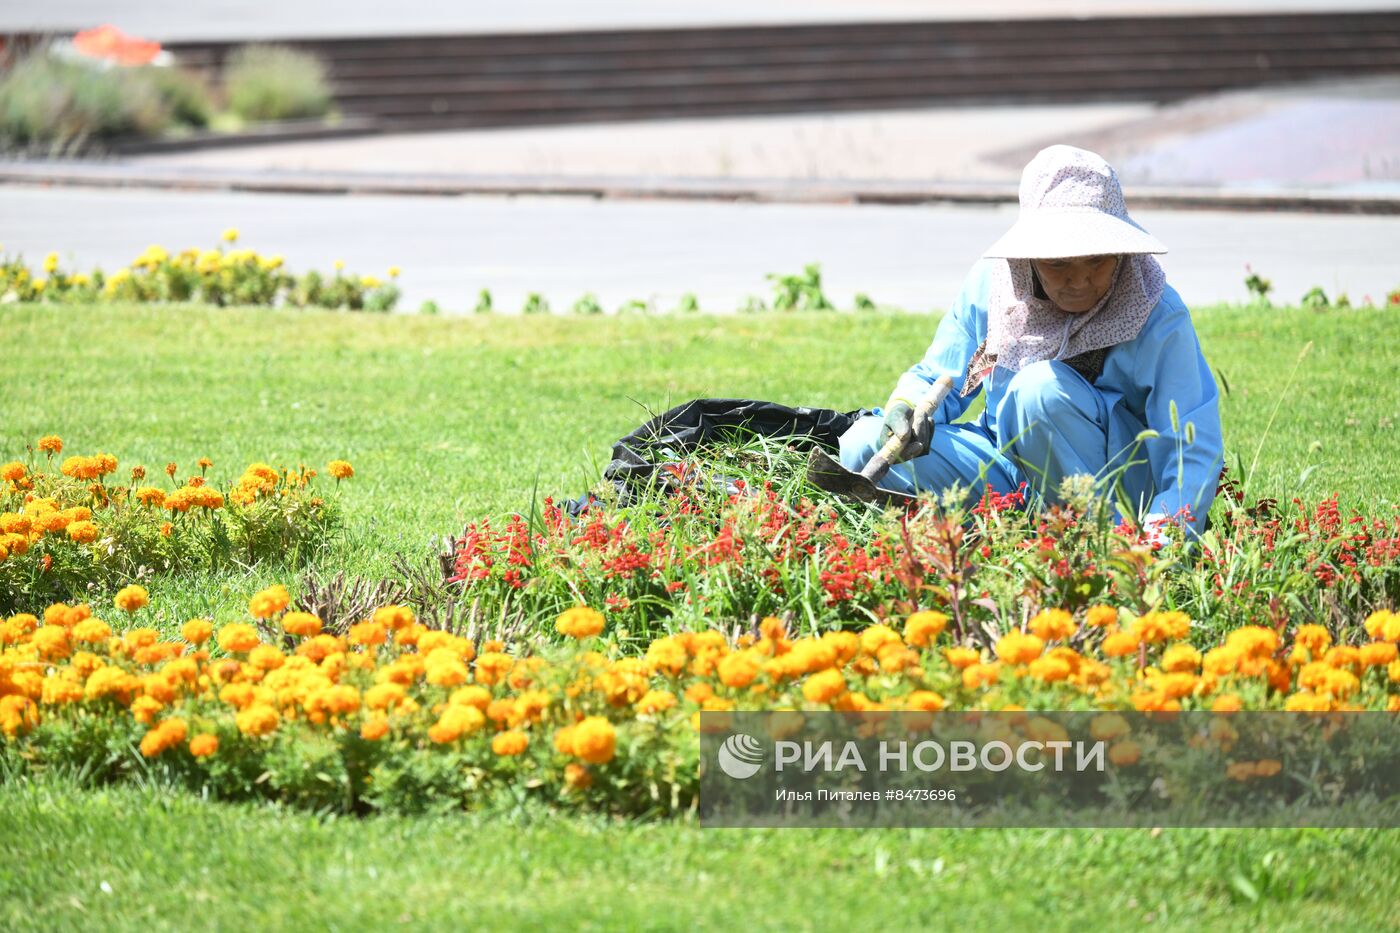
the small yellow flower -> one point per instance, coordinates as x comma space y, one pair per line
339, 264
340, 469
394, 272
50, 262
230, 235
369, 281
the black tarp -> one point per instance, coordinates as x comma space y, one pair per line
675, 434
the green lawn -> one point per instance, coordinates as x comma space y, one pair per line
447, 420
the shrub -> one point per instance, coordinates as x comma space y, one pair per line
272, 82
61, 106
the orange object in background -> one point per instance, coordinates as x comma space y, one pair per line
111, 44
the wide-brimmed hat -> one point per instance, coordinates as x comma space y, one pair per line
1071, 205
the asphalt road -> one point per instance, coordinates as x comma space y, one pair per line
449, 248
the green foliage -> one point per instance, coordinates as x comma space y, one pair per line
1315, 299
864, 302
1259, 287
588, 304
688, 304
58, 106
802, 292
535, 303
272, 82
483, 302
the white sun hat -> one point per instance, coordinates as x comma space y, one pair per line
1071, 205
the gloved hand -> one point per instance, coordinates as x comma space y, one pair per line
899, 422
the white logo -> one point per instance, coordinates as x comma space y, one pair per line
740, 756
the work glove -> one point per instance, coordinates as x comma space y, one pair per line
899, 422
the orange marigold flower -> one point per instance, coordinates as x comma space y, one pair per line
1181, 658
977, 676
197, 631
374, 728
170, 733
1120, 644
455, 722
962, 657
131, 598
367, 633
738, 670
509, 743
303, 624
1019, 648
13, 471
577, 776
269, 602
257, 719
170, 469
825, 686
1383, 625
1124, 754
594, 740
579, 622
656, 701
1052, 625
925, 701
92, 630
1157, 627
921, 629
1227, 703
165, 529
238, 637
204, 745
394, 618
1378, 653
340, 469
1315, 638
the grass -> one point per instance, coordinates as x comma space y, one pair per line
260, 868
450, 419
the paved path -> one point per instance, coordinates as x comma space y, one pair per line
914, 257
236, 19
1341, 137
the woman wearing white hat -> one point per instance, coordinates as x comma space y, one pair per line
1082, 347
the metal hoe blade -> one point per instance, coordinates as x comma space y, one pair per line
826, 473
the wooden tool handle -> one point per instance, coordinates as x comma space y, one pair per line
880, 463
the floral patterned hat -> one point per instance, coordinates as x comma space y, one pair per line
1071, 205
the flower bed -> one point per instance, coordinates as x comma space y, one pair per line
394, 716
65, 527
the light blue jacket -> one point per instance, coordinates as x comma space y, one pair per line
1143, 380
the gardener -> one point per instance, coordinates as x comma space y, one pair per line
1088, 358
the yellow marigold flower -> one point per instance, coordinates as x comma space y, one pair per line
83, 532
1019, 648
925, 701
962, 658
1315, 638
50, 642
303, 624
577, 776
594, 740
340, 469
1108, 726
238, 637
471, 695
1383, 626
269, 602
230, 235
197, 631
875, 637
1181, 658
61, 688
738, 670
579, 622
257, 719
452, 672
977, 676
374, 728
1120, 644
204, 745
509, 743
1227, 703
922, 628
266, 657
1052, 625
656, 701
367, 633
1157, 627
455, 722
1050, 669
131, 598
92, 630
394, 272
51, 262
1101, 617
394, 618
1124, 754
1378, 653
18, 715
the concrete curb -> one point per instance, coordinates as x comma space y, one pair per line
833, 191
